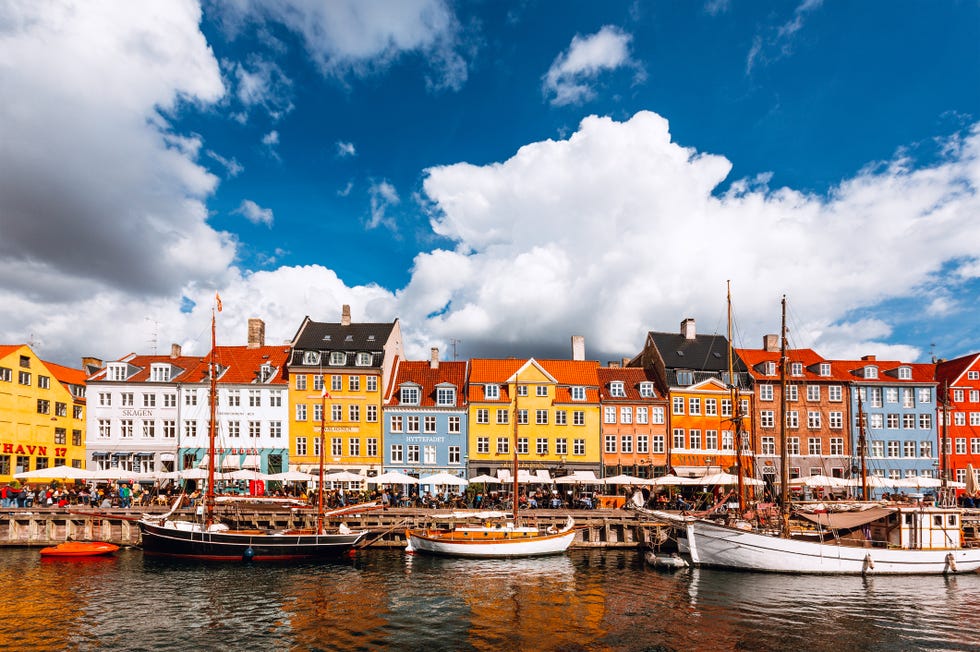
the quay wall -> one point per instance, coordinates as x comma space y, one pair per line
597, 528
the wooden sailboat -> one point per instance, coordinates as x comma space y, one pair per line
508, 538
212, 540
876, 540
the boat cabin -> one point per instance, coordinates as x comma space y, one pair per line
919, 529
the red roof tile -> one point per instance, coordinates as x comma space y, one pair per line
421, 373
631, 377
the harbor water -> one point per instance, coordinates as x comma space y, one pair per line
387, 600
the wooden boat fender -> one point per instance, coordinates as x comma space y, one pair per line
950, 564
869, 564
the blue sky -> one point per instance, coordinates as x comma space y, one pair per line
502, 174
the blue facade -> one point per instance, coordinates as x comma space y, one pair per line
424, 441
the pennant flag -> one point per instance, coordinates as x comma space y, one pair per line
325, 393
217, 300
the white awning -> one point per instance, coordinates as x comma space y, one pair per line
252, 462
695, 471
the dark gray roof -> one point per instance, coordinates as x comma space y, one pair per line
703, 353
320, 336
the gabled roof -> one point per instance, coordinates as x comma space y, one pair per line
334, 336
567, 373
755, 360
422, 374
951, 371
188, 367
242, 365
922, 372
631, 377
700, 353
66, 375
7, 349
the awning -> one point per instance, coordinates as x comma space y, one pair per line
99, 455
121, 454
252, 462
167, 457
695, 471
144, 454
846, 520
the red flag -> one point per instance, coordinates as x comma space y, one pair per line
325, 393
217, 300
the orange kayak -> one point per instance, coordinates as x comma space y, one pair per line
79, 549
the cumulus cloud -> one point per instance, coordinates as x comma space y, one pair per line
97, 191
352, 37
571, 76
255, 213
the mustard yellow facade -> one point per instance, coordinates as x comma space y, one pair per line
556, 407
42, 413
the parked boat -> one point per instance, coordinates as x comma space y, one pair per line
209, 539
917, 539
79, 549
498, 538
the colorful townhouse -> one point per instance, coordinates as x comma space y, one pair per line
634, 423
338, 373
817, 413
425, 420
706, 405
556, 406
897, 401
959, 395
42, 413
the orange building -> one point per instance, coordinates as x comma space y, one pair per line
634, 423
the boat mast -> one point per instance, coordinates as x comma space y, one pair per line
517, 418
943, 461
213, 407
736, 411
323, 441
783, 453
862, 449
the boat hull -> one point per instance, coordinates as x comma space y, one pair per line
486, 542
80, 549
237, 546
711, 544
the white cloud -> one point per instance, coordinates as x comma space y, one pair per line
232, 166
352, 37
383, 196
255, 213
271, 139
97, 191
345, 149
570, 78
261, 84
778, 42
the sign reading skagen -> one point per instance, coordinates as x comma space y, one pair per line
425, 440
145, 412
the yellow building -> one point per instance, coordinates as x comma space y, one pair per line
42, 413
345, 368
556, 403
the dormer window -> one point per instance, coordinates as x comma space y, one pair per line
770, 368
825, 369
311, 357
870, 372
491, 392
338, 358
578, 393
685, 378
796, 369
616, 389
363, 360
159, 373
446, 396
646, 389
904, 373
410, 395
116, 371
265, 373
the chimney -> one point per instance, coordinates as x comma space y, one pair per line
626, 362
433, 358
613, 364
90, 365
175, 350
687, 329
345, 316
578, 347
770, 343
256, 333
869, 358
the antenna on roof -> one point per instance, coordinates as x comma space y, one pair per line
932, 352
153, 334
454, 342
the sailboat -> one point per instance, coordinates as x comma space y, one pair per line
876, 540
507, 538
210, 539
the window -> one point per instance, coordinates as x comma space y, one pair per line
925, 449
76, 412
275, 429
870, 372
301, 412
836, 420
792, 419
43, 406
116, 371
337, 446
338, 358
925, 395
973, 375
446, 396
825, 369
678, 405
336, 383
835, 393
610, 444
925, 421
646, 389
190, 429
522, 390
792, 392
904, 373
641, 415
813, 419
104, 429
354, 413
318, 382
877, 449
694, 437
813, 392
503, 416
483, 416
254, 398
561, 446
354, 383
396, 453
876, 421
625, 414
6, 375
76, 437
354, 447
454, 455
711, 407
836, 445
372, 446
363, 360
891, 421
336, 412
694, 405
44, 382
578, 447
793, 445
657, 414
522, 445
371, 415
60, 436
454, 425
796, 369
893, 448
768, 446
371, 384
627, 443
617, 390
685, 378
578, 418
643, 443
149, 429
126, 399
301, 381
541, 417
105, 399
483, 445
578, 393
541, 391
891, 395
522, 417
679, 438
234, 398
726, 407
876, 397
491, 392
429, 455
275, 398
959, 418
429, 424
609, 414
814, 446
410, 395
767, 419
254, 429
908, 421
503, 445
413, 423
311, 357
234, 429
958, 395
126, 428
711, 439
728, 441
169, 400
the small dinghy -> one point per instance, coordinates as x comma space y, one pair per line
668, 561
79, 549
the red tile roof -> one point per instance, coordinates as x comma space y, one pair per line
66, 375
567, 373
421, 373
243, 364
755, 358
631, 377
923, 372
950, 371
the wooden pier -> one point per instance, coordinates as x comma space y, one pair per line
597, 528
